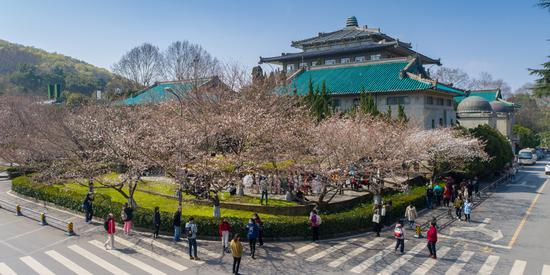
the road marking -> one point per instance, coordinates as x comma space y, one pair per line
97, 260
518, 268
36, 266
135, 262
302, 249
460, 263
171, 250
325, 252
67, 263
473, 241
26, 233
522, 223
152, 255
489, 265
6, 270
430, 263
545, 270
372, 260
355, 252
402, 260
202, 250
485, 222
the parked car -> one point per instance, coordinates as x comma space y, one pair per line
547, 168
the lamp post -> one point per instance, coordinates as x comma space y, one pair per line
170, 90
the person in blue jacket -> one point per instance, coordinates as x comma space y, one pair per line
252, 235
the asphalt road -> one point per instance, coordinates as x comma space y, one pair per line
520, 209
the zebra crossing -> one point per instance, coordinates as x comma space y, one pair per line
377, 256
91, 257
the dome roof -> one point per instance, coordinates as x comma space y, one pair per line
474, 104
351, 22
501, 107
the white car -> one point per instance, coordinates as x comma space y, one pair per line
547, 169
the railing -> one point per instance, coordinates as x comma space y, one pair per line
41, 217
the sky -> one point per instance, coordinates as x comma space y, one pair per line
502, 37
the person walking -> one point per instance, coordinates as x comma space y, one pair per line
429, 197
468, 205
156, 222
476, 187
87, 206
110, 227
432, 240
224, 228
438, 194
411, 215
458, 207
264, 189
127, 215
177, 224
260, 224
447, 195
252, 235
399, 235
216, 205
191, 230
237, 253
376, 219
315, 222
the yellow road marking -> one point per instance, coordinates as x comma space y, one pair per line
522, 223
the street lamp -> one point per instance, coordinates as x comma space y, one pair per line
170, 90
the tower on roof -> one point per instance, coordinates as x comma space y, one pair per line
352, 22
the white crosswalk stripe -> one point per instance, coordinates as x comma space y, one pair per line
152, 255
36, 266
518, 268
489, 265
97, 260
330, 250
402, 260
545, 270
135, 262
172, 250
6, 270
430, 263
457, 267
67, 263
302, 249
372, 260
201, 250
355, 252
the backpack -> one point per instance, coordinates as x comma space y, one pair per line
398, 232
189, 231
319, 221
106, 225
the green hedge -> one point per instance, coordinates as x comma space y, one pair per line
355, 220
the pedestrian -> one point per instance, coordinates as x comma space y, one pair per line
177, 224
468, 205
127, 215
376, 219
216, 205
264, 189
399, 235
476, 187
191, 230
237, 253
260, 224
156, 222
315, 222
224, 228
411, 215
470, 189
458, 207
432, 240
438, 194
110, 227
429, 196
87, 206
252, 235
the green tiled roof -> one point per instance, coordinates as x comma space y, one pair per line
157, 94
386, 76
489, 95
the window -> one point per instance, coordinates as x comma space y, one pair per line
330, 62
375, 57
359, 59
345, 60
430, 100
440, 102
449, 102
433, 123
397, 100
356, 102
336, 104
290, 67
313, 63
303, 64
440, 122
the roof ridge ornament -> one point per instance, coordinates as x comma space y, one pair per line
351, 22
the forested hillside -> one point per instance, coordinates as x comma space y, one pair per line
29, 70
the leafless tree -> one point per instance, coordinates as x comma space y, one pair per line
142, 64
184, 60
456, 77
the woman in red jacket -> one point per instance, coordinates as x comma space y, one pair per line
110, 227
432, 239
224, 228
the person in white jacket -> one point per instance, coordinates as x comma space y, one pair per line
411, 215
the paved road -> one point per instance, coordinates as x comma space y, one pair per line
28, 248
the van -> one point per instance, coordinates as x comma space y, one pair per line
527, 156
